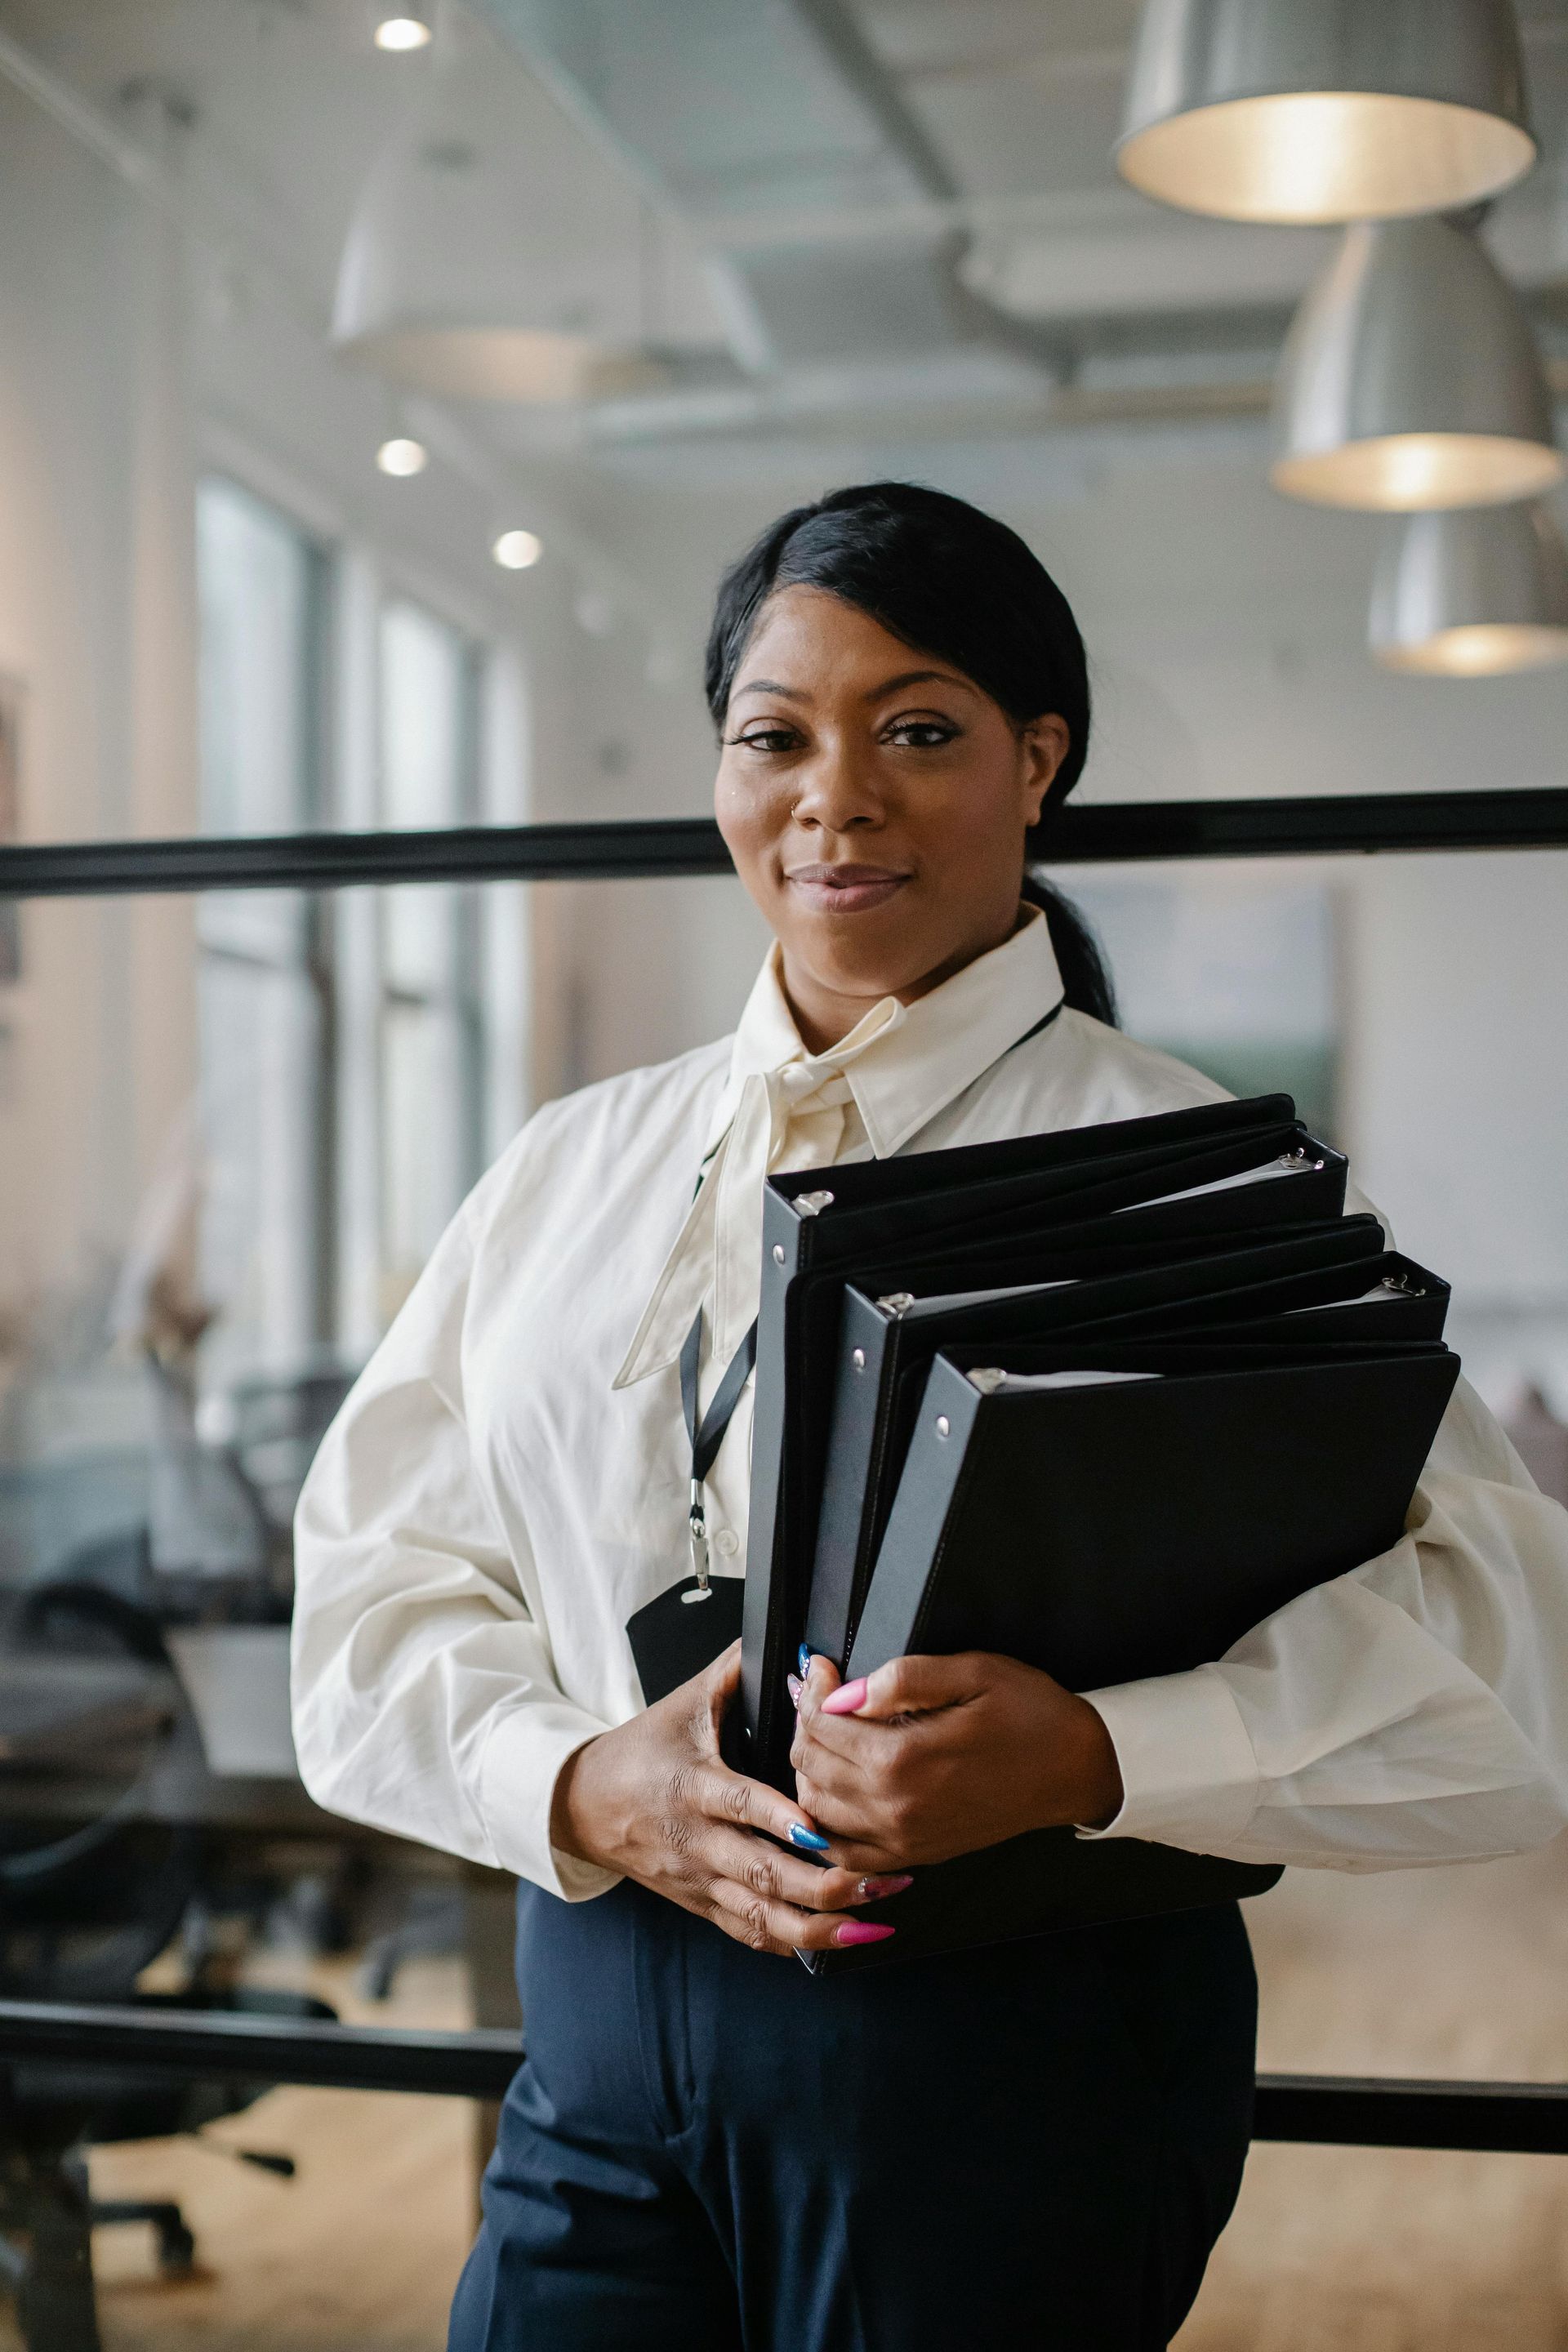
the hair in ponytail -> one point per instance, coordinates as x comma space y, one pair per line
949, 581
1086, 984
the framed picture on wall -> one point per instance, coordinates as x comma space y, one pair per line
10, 821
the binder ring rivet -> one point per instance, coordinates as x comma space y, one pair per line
858, 1360
778, 1253
942, 1424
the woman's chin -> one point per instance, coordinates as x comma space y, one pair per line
866, 975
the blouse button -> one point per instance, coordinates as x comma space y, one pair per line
727, 1542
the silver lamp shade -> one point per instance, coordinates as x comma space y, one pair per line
1472, 594
1325, 110
1410, 379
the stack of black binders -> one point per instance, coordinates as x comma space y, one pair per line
1100, 1401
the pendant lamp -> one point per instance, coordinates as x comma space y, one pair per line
1472, 594
452, 282
1410, 379
1325, 110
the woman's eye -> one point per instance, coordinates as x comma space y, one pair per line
921, 734
768, 739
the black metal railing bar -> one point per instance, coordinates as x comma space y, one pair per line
1528, 2118
669, 848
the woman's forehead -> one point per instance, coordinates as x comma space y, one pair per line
808, 642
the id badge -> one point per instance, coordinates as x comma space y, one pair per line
683, 1630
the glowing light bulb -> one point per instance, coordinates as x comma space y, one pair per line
402, 455
516, 551
402, 32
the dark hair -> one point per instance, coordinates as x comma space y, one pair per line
950, 581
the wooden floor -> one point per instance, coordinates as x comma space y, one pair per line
1461, 1972
1452, 1973
359, 2254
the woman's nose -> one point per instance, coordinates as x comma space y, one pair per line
838, 790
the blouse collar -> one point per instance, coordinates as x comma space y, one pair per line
905, 1063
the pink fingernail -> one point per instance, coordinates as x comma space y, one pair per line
862, 1931
872, 1890
847, 1699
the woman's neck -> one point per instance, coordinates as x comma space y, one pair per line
825, 1015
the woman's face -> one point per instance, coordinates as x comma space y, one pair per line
875, 801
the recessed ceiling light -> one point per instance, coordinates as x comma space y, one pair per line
516, 551
402, 455
409, 28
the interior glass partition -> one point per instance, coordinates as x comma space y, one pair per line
1334, 965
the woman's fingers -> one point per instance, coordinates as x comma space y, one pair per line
765, 1870
710, 1692
767, 1926
866, 1859
864, 1833
914, 1685
730, 1797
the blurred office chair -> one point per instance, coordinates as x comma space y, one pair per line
276, 1426
222, 1515
53, 1512
90, 1893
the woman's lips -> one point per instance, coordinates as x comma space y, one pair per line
845, 889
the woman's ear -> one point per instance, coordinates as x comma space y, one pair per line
1043, 745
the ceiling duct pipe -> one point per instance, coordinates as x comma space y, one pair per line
688, 96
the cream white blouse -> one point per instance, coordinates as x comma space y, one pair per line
507, 1481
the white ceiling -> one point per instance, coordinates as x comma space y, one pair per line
270, 114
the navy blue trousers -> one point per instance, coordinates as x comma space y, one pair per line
707, 2151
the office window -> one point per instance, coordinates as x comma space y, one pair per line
431, 1018
264, 977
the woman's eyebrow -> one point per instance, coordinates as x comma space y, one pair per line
772, 686
916, 677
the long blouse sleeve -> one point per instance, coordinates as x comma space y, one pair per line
1413, 1711
425, 1695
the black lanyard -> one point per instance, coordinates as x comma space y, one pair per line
708, 1435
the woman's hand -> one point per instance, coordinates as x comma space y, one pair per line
654, 1800
929, 1758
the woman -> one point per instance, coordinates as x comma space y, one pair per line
705, 2147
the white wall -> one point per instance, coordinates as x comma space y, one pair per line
1458, 1092
96, 624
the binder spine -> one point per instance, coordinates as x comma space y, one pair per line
855, 1441
906, 1562
786, 1252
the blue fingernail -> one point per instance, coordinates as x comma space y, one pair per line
804, 1660
806, 1838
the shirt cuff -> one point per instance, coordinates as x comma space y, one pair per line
1189, 1776
523, 1760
